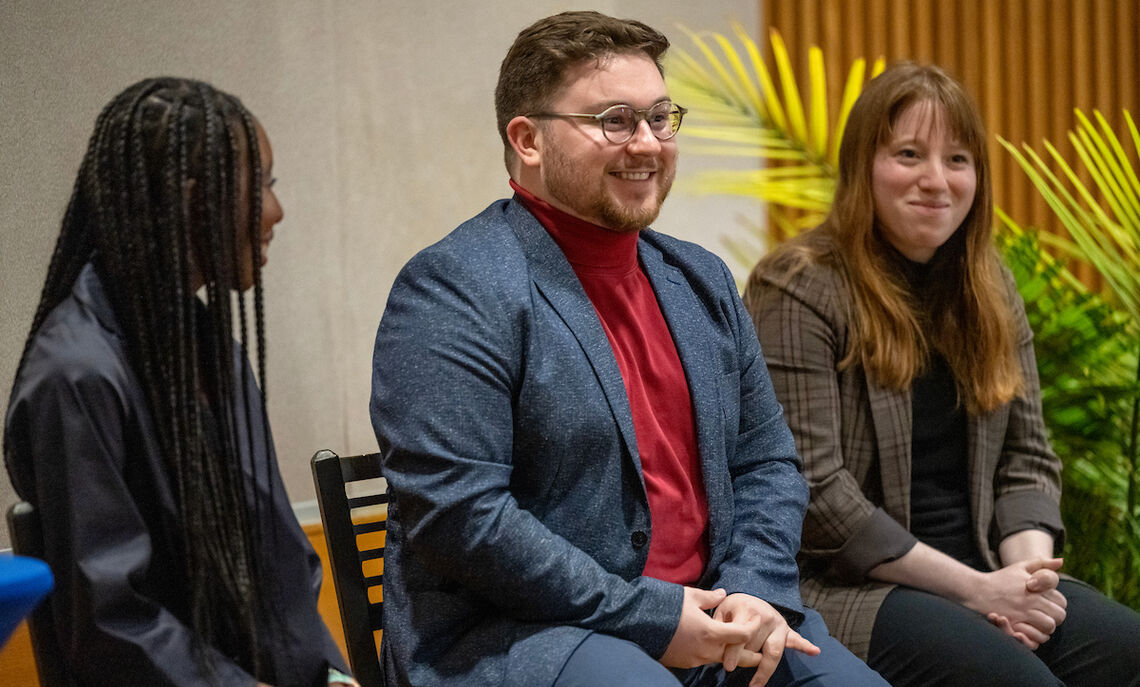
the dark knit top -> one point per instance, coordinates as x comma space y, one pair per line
939, 489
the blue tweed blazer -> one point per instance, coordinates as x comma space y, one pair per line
519, 521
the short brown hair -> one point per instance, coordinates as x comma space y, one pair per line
534, 68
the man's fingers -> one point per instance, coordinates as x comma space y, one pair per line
731, 658
726, 634
747, 659
770, 656
707, 598
744, 658
796, 641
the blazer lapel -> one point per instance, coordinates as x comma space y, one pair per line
981, 468
891, 415
555, 280
688, 323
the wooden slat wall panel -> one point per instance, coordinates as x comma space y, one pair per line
1027, 62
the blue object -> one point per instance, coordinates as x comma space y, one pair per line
23, 583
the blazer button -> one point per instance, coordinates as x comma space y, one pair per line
639, 539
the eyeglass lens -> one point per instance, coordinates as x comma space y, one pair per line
620, 122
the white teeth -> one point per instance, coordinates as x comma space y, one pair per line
632, 176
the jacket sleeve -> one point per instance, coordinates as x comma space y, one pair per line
768, 490
799, 324
69, 422
1027, 482
332, 654
446, 367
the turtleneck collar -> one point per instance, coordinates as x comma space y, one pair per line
586, 245
914, 274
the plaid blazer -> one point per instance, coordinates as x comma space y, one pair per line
855, 440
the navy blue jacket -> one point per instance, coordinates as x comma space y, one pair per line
519, 520
85, 453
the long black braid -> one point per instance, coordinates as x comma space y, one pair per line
172, 168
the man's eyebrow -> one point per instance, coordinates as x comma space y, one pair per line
604, 105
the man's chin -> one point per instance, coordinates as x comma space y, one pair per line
629, 217
627, 222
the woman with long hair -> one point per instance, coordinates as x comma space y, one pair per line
136, 426
899, 347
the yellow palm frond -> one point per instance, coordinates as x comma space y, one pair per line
737, 110
792, 103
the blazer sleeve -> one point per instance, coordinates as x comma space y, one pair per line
1027, 482
69, 423
800, 324
446, 366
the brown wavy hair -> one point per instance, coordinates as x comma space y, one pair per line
964, 313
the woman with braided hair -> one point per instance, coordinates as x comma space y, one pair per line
136, 426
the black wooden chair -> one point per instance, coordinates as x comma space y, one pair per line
28, 540
354, 511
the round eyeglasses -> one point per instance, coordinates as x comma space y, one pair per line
619, 122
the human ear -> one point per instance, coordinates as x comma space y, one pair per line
525, 140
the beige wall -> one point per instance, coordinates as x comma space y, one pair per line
380, 114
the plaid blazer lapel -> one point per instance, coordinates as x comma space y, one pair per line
891, 417
982, 466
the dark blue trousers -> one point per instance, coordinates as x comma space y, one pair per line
605, 660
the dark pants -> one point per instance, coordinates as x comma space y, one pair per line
925, 640
604, 660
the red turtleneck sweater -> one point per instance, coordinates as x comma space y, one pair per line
606, 264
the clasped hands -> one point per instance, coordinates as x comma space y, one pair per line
1023, 600
743, 631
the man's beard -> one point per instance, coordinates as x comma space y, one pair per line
585, 195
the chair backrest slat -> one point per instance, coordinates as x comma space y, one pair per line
367, 527
338, 481
372, 555
359, 468
371, 500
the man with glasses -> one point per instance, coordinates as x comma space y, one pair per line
591, 479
